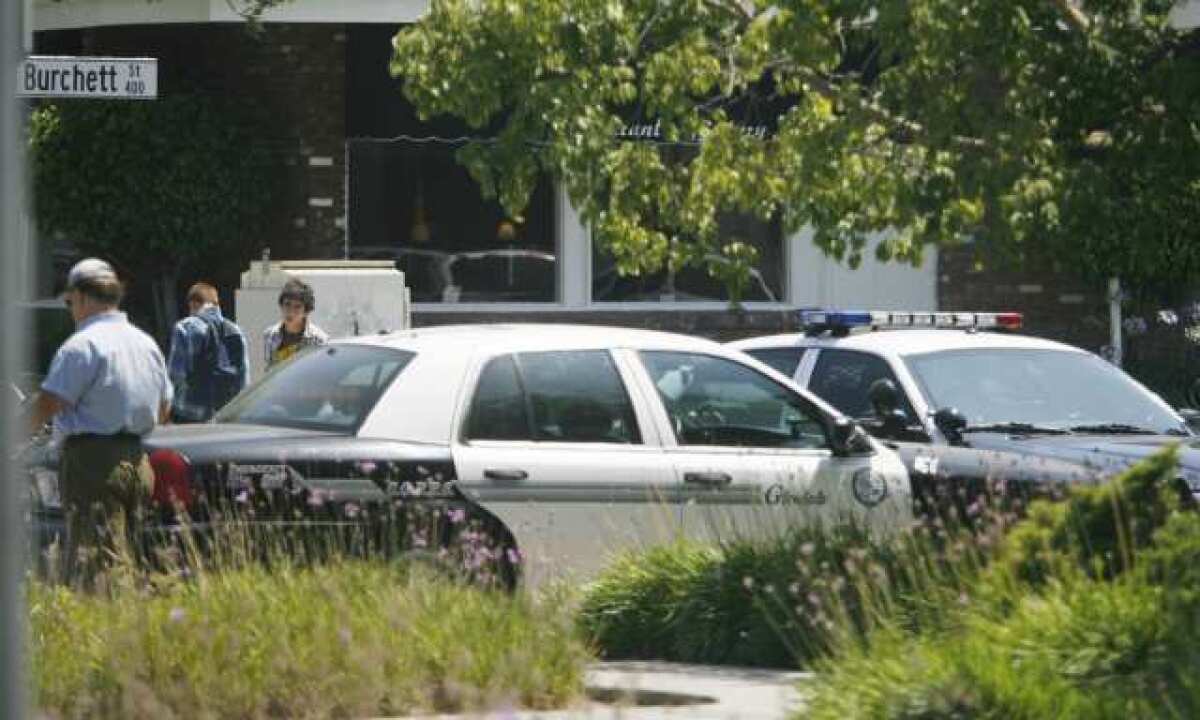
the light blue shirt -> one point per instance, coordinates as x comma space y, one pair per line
111, 376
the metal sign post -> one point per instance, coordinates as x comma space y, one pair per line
13, 259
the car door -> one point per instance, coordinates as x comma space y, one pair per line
750, 453
555, 446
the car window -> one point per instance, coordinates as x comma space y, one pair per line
498, 410
332, 387
843, 377
1053, 388
783, 359
577, 396
716, 401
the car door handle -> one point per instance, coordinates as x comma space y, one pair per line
708, 479
506, 474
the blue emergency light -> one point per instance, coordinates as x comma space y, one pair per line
841, 322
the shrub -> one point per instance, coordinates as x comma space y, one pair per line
772, 602
1090, 612
1098, 527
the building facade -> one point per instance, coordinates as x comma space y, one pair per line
362, 177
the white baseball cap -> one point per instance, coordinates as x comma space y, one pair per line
89, 269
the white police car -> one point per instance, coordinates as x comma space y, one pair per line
959, 396
568, 442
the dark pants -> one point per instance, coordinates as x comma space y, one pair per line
106, 482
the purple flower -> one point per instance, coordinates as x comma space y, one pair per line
177, 614
456, 515
316, 498
242, 497
351, 509
513, 555
367, 468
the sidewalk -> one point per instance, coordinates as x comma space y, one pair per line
670, 690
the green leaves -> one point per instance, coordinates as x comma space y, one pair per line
157, 186
933, 120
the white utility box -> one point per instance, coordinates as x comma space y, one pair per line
353, 297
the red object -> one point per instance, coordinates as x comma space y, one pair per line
1010, 320
172, 479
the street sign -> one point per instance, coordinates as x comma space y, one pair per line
88, 77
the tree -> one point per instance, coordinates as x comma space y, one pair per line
1049, 129
157, 186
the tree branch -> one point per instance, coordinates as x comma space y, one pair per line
883, 116
1074, 15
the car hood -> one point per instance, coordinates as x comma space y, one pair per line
231, 442
1101, 455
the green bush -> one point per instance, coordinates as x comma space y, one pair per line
1099, 527
1091, 612
772, 603
348, 639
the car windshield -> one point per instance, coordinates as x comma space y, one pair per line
332, 387
1044, 388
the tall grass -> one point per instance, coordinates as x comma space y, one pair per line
226, 634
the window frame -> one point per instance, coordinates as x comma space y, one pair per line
906, 400
406, 358
644, 436
669, 437
801, 349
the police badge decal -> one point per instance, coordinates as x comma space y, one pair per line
870, 488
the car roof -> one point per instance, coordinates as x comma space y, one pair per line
534, 336
909, 342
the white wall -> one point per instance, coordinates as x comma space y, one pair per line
817, 280
1186, 15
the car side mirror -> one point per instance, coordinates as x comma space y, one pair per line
1191, 417
846, 438
951, 422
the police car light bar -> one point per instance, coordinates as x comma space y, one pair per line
845, 320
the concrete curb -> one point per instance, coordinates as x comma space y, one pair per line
677, 691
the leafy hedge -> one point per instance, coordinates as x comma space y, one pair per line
1091, 610
1084, 607
769, 603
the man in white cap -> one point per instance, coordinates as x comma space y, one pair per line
106, 388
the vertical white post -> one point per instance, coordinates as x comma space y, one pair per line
574, 255
1114, 319
13, 274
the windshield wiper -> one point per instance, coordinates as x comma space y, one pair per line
1016, 427
1114, 429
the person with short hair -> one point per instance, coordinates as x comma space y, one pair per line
106, 389
209, 358
295, 331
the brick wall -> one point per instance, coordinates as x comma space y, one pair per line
1057, 304
287, 79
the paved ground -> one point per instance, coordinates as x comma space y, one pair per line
678, 691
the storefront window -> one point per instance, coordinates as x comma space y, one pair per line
694, 284
413, 202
